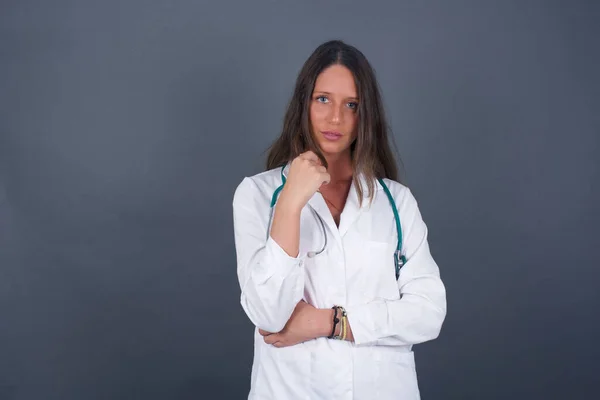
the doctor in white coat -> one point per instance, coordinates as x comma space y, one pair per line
333, 260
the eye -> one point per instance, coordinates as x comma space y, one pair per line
322, 99
353, 105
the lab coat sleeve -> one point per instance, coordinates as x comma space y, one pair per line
418, 315
271, 281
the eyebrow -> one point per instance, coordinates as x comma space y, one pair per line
323, 92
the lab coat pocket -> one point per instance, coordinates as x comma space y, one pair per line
378, 271
397, 377
285, 370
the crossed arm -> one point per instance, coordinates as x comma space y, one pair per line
306, 323
272, 285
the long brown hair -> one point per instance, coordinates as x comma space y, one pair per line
371, 153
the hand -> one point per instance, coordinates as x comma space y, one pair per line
306, 323
305, 177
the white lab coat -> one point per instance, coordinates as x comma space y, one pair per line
356, 271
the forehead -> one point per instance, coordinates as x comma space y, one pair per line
336, 79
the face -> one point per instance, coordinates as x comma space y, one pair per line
333, 110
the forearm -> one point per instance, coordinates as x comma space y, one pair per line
322, 323
285, 228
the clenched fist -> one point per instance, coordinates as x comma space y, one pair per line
305, 177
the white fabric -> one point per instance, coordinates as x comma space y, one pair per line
356, 271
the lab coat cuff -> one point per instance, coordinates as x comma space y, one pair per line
363, 321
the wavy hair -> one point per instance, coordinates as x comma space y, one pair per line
370, 153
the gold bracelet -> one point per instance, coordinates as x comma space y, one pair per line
342, 329
344, 326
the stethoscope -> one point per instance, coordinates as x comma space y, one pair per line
399, 258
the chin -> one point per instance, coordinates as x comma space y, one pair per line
333, 148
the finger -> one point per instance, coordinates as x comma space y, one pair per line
278, 344
270, 339
311, 156
326, 178
263, 332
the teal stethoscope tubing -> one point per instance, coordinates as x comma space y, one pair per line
399, 258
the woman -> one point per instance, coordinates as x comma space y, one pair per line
317, 270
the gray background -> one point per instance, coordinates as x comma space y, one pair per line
126, 126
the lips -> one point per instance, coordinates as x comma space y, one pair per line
331, 135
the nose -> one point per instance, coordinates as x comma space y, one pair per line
335, 116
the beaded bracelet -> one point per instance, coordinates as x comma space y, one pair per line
335, 322
343, 330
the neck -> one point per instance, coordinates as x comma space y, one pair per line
339, 167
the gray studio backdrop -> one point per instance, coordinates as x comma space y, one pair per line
125, 127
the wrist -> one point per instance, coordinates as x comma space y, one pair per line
288, 205
326, 324
339, 328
